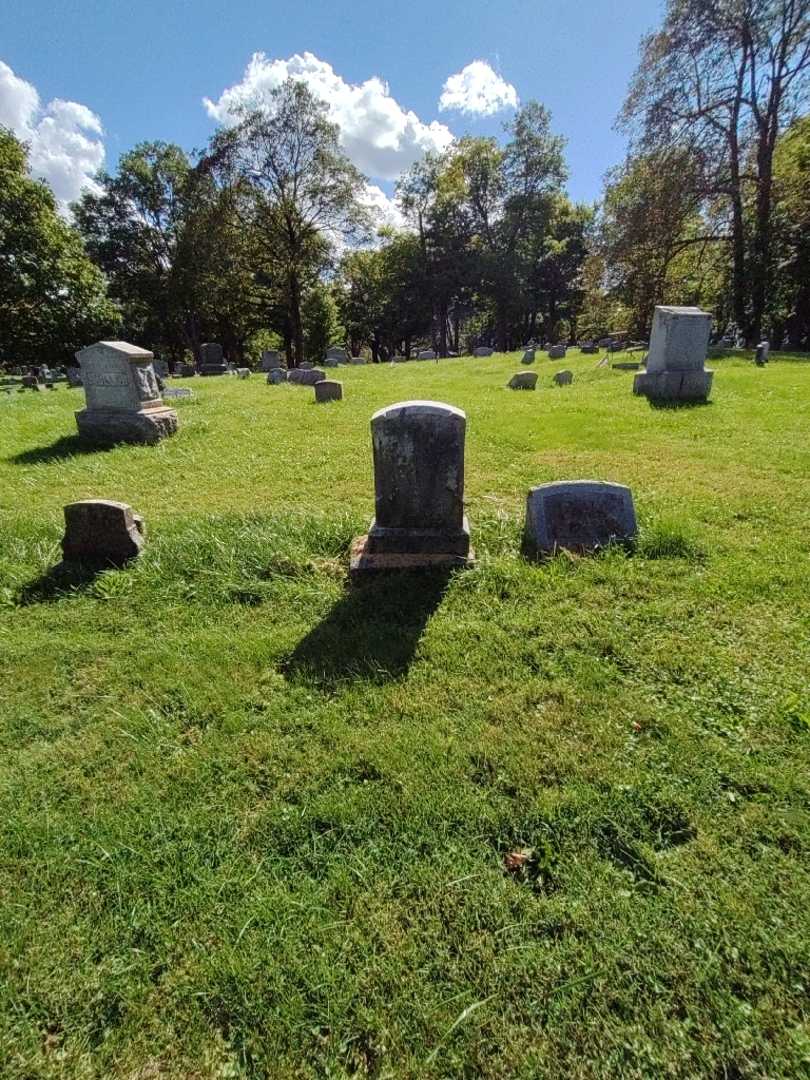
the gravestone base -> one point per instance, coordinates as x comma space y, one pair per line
213, 369
121, 426
421, 549
674, 385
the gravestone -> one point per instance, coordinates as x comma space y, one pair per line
305, 376
426, 354
276, 376
177, 392
328, 390
161, 368
400, 360
123, 402
762, 353
578, 515
100, 532
563, 378
31, 382
338, 353
331, 362
523, 380
605, 342
186, 371
675, 362
483, 350
306, 365
243, 372
271, 359
419, 490
212, 361
556, 352
357, 360
74, 376
626, 365
588, 348
528, 357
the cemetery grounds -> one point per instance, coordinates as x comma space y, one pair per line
534, 820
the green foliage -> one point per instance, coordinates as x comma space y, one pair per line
52, 298
321, 321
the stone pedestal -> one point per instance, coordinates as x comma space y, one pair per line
419, 490
212, 361
577, 515
122, 396
675, 362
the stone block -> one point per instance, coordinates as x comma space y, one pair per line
674, 385
328, 390
270, 359
426, 354
276, 376
305, 376
100, 532
762, 353
358, 361
556, 352
578, 515
563, 378
523, 380
627, 365
528, 357
212, 361
679, 339
483, 350
243, 372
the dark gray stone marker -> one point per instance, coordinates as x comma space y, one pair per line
528, 357
100, 532
556, 352
328, 390
276, 376
305, 376
418, 451
763, 351
523, 380
212, 361
578, 515
563, 378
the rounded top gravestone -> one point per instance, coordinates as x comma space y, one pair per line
419, 465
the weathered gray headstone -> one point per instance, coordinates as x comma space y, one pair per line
675, 362
357, 360
339, 353
177, 392
330, 362
328, 390
74, 376
528, 357
483, 350
161, 368
212, 362
588, 348
578, 515
243, 372
563, 378
523, 380
762, 353
306, 365
271, 359
626, 365
556, 352
276, 376
122, 396
305, 376
419, 489
100, 532
426, 354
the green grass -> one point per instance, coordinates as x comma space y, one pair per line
254, 823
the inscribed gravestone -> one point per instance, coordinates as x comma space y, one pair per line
675, 362
123, 402
328, 390
212, 361
418, 449
578, 515
523, 380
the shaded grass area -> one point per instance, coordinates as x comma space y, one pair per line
519, 821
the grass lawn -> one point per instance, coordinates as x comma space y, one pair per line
255, 823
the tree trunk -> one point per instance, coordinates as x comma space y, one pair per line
296, 323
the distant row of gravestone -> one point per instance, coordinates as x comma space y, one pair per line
419, 521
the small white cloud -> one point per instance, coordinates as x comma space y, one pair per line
477, 89
62, 136
384, 209
377, 134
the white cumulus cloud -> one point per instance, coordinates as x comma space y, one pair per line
384, 209
62, 136
477, 89
377, 133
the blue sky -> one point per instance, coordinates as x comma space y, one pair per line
84, 80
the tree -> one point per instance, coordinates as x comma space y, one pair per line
321, 321
131, 228
721, 80
301, 191
52, 298
790, 302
